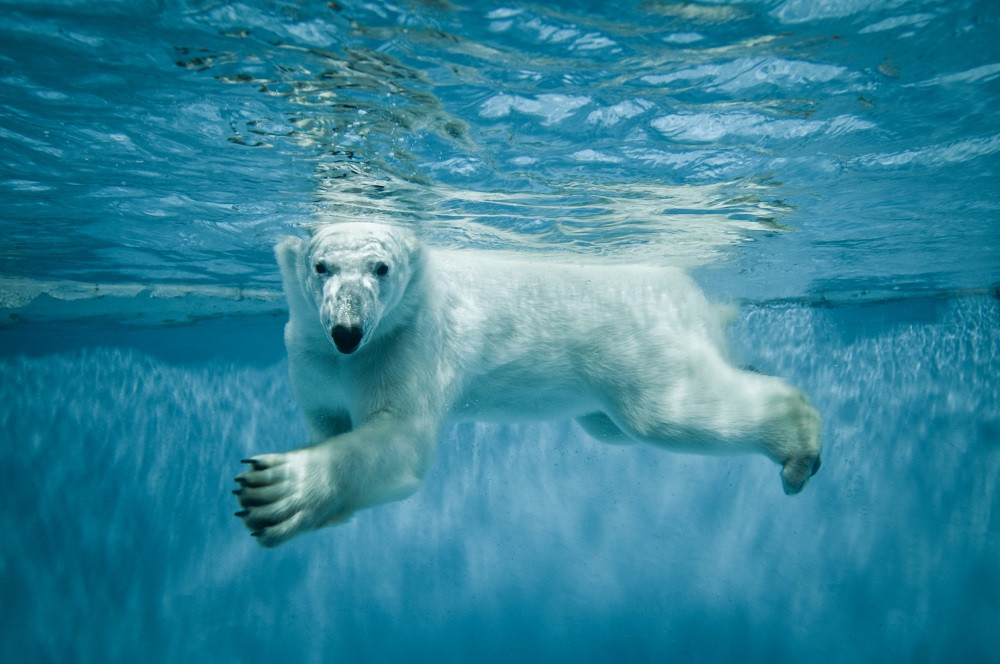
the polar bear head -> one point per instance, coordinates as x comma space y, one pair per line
356, 275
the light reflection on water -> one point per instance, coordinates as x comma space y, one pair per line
695, 134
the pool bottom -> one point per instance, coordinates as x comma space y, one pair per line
528, 542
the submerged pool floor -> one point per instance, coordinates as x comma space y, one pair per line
529, 542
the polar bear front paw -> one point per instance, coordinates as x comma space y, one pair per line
283, 495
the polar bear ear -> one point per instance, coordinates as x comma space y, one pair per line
288, 251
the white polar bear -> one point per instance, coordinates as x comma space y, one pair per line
389, 339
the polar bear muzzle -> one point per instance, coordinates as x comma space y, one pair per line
347, 339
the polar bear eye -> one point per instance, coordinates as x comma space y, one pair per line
381, 269
320, 268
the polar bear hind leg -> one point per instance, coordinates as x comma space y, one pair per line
721, 411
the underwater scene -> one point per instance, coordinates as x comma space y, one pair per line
829, 167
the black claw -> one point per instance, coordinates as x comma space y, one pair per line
257, 533
242, 513
257, 465
240, 480
237, 492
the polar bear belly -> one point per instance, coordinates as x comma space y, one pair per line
517, 393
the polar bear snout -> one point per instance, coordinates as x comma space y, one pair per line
347, 339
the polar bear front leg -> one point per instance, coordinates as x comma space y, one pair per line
283, 495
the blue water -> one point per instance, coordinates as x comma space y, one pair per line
830, 166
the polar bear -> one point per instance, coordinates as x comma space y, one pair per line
388, 340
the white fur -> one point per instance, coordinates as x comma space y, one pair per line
634, 353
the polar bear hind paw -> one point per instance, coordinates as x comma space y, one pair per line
797, 471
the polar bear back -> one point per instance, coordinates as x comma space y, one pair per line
581, 293
556, 328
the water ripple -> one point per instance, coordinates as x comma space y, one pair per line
138, 153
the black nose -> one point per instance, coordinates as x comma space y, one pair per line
346, 339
